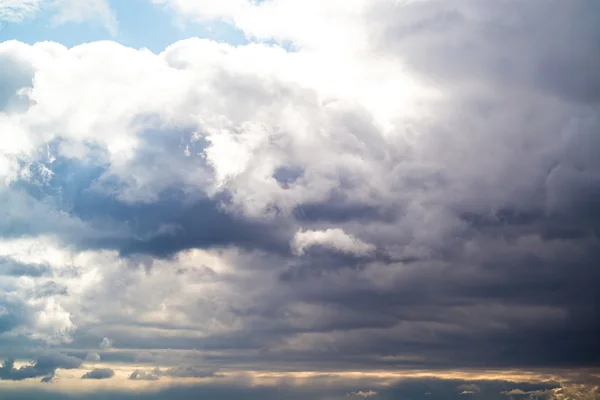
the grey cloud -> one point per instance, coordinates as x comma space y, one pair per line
105, 343
516, 43
10, 267
49, 289
99, 373
17, 74
28, 217
191, 372
12, 314
469, 388
44, 366
81, 212
182, 371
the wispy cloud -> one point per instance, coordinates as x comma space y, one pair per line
18, 10
61, 12
85, 11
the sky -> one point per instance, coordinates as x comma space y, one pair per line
284, 199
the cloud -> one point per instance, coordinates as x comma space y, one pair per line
422, 197
516, 392
469, 389
92, 357
44, 366
181, 371
189, 371
30, 304
10, 268
365, 394
85, 11
139, 375
18, 10
284, 21
335, 239
105, 343
99, 373
61, 12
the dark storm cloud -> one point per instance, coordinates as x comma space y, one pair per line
517, 308
173, 223
203, 224
554, 45
509, 268
163, 226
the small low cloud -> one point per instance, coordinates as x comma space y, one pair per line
191, 371
140, 375
99, 373
555, 393
470, 388
516, 392
183, 371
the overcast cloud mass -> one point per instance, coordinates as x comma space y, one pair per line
365, 199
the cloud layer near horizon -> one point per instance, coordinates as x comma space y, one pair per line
409, 185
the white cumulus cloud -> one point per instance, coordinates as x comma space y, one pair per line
335, 239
